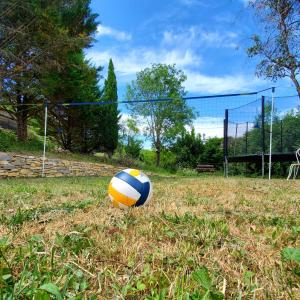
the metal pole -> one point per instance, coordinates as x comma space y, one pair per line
235, 137
225, 142
247, 129
271, 133
281, 132
45, 138
263, 136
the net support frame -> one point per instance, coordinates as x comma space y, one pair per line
45, 139
263, 136
271, 133
225, 144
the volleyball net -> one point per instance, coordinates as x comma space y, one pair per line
246, 131
264, 131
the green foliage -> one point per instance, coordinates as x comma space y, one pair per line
109, 115
148, 156
163, 120
10, 142
291, 254
133, 147
51, 289
213, 152
168, 159
202, 277
128, 142
74, 127
44, 35
278, 44
188, 149
35, 278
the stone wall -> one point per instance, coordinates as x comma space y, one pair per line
15, 165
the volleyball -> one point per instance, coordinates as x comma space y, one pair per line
129, 188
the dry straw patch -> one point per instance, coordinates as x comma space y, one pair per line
235, 228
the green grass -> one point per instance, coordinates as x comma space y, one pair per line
9, 142
200, 238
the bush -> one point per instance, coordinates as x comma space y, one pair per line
148, 157
168, 160
133, 148
7, 139
213, 152
188, 149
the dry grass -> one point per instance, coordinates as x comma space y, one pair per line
66, 232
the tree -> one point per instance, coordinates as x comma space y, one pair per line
109, 114
188, 149
163, 120
128, 142
74, 127
278, 46
213, 153
36, 38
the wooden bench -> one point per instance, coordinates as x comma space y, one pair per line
205, 168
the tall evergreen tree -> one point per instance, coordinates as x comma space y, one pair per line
110, 115
36, 38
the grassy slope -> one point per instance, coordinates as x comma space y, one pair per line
67, 233
34, 146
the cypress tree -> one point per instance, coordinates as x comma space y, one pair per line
110, 116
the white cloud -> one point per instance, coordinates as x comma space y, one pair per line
116, 34
198, 37
130, 62
200, 83
210, 126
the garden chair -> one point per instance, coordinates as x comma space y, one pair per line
294, 168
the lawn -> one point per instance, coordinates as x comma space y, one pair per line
200, 238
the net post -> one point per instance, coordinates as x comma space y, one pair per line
235, 137
247, 130
281, 138
263, 136
271, 133
225, 143
45, 138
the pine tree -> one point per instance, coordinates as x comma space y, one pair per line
110, 114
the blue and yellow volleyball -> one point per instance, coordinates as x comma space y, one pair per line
130, 188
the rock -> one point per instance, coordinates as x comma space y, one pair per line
8, 167
4, 156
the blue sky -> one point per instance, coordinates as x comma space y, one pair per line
206, 39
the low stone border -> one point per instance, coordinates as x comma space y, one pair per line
16, 165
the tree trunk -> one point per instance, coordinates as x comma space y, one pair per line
158, 158
22, 119
110, 154
296, 83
